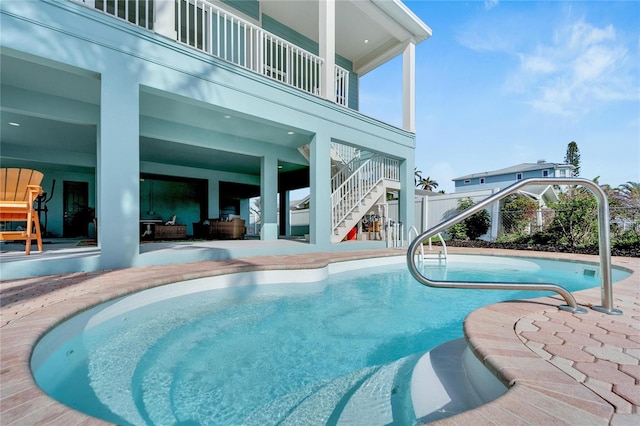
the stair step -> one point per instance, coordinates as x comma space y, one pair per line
383, 397
318, 403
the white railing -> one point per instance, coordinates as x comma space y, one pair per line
354, 189
206, 27
139, 12
345, 152
342, 86
343, 174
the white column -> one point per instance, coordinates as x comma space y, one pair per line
409, 87
165, 19
118, 169
327, 35
320, 190
495, 218
269, 197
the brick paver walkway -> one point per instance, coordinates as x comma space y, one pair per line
560, 368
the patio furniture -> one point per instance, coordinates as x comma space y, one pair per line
19, 189
170, 232
148, 227
232, 230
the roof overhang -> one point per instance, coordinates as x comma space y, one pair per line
540, 192
367, 32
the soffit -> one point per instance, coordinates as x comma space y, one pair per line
386, 25
47, 138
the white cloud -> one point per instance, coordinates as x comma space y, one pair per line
537, 64
490, 4
581, 66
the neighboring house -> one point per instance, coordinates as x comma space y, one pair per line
502, 178
140, 110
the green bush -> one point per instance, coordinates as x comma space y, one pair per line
472, 227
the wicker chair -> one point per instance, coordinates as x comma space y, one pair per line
233, 230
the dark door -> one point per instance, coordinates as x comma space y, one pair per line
77, 214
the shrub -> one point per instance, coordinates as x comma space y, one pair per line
472, 227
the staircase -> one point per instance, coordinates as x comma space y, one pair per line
358, 183
365, 187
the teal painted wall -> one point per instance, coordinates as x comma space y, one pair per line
248, 7
161, 198
128, 62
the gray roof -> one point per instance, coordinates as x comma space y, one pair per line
520, 168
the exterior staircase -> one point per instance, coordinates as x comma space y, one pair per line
358, 183
353, 196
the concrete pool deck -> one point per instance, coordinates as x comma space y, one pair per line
560, 368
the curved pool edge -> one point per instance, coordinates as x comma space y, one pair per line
36, 305
520, 343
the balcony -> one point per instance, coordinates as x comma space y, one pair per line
201, 25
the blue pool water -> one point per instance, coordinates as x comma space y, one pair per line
266, 354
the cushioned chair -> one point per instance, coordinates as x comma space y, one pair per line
19, 189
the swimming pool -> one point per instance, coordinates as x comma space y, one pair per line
246, 354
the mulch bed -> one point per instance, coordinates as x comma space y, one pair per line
632, 251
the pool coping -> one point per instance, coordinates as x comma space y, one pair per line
509, 338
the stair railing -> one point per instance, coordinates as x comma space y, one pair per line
351, 192
345, 171
572, 306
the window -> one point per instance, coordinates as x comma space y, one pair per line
545, 173
467, 181
481, 180
518, 176
561, 173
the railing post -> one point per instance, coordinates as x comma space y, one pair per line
165, 19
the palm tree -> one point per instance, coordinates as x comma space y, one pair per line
417, 176
629, 194
427, 184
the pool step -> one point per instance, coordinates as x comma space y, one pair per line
374, 395
317, 403
383, 398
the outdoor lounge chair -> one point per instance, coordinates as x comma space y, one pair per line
19, 188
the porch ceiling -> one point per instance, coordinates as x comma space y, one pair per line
50, 135
386, 25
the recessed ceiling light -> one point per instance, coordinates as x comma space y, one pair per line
366, 41
13, 123
291, 133
227, 116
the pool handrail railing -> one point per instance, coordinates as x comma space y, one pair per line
604, 244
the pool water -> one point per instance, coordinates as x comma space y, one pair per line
277, 353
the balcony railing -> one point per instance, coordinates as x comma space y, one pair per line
206, 27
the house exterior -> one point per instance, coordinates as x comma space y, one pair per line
502, 178
139, 110
478, 186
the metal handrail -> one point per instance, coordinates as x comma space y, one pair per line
444, 245
572, 306
413, 228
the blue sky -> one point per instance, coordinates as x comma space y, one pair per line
507, 82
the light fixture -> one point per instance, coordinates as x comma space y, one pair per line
13, 123
366, 41
291, 133
227, 116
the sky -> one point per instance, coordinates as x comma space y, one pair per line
501, 83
